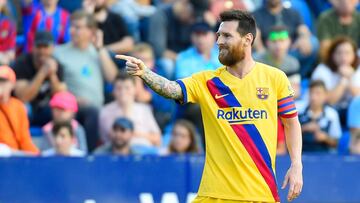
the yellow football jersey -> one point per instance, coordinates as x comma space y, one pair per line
240, 121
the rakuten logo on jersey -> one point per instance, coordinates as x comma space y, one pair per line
238, 115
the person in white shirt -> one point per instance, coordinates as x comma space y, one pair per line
64, 141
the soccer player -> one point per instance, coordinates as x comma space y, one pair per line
240, 104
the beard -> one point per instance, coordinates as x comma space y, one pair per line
119, 144
230, 56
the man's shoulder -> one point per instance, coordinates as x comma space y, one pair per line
328, 15
103, 149
185, 54
23, 62
63, 49
330, 112
15, 102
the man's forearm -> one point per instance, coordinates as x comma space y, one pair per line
56, 84
293, 139
162, 86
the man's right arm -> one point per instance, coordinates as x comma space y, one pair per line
161, 85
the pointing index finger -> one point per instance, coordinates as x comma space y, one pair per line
124, 57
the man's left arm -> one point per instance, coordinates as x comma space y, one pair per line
294, 144
108, 66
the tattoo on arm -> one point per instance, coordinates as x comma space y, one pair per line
162, 86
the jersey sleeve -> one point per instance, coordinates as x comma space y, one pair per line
285, 100
190, 88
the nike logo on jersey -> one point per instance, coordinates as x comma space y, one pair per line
220, 96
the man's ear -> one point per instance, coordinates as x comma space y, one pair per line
249, 38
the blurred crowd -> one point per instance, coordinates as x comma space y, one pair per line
62, 92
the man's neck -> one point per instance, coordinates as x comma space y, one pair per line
121, 151
275, 10
82, 45
101, 15
50, 9
277, 59
316, 110
242, 68
345, 19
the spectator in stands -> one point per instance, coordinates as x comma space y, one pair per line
120, 136
64, 141
278, 44
202, 55
45, 15
7, 36
354, 125
112, 27
163, 108
319, 122
169, 32
183, 138
304, 45
14, 124
86, 64
341, 20
146, 130
39, 76
295, 81
340, 73
218, 6
134, 12
64, 107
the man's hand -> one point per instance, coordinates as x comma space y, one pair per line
303, 44
295, 180
134, 66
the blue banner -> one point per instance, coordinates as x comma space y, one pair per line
150, 179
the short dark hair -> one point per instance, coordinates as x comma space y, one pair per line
122, 76
63, 124
246, 22
317, 83
81, 14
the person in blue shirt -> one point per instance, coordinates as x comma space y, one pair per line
354, 125
202, 55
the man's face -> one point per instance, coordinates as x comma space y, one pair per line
318, 96
184, 11
49, 3
278, 48
80, 32
203, 41
273, 3
121, 137
146, 57
345, 7
43, 52
63, 141
231, 45
124, 91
